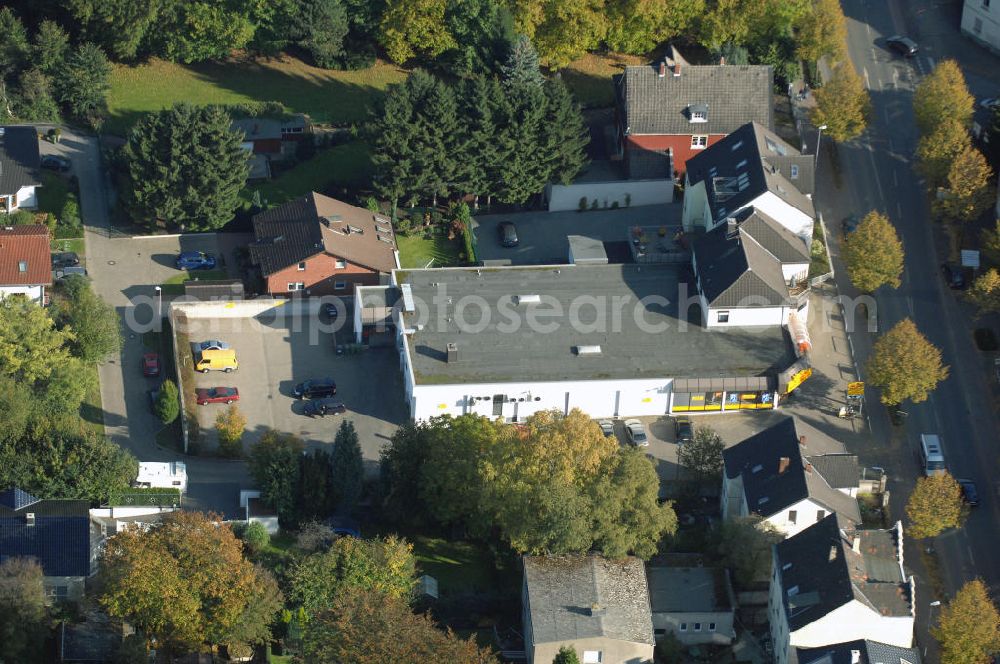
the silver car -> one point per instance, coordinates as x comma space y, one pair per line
607, 428
636, 433
212, 344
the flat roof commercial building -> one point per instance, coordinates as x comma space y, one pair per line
611, 340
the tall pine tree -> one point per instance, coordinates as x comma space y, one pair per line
521, 65
347, 468
521, 125
566, 136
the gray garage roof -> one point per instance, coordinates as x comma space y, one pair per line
689, 589
867, 652
503, 345
587, 596
19, 159
732, 95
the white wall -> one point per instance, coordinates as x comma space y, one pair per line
33, 293
988, 34
747, 317
26, 198
787, 215
642, 192
793, 272
247, 308
851, 622
597, 398
695, 213
806, 514
722, 634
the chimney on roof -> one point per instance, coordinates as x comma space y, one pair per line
677, 68
452, 352
722, 60
802, 441
29, 518
856, 543
809, 468
783, 464
663, 69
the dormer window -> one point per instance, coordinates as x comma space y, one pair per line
698, 113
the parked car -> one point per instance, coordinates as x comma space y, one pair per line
330, 309
969, 493
636, 433
607, 428
903, 46
207, 395
507, 234
154, 396
684, 430
212, 344
54, 162
64, 259
69, 271
195, 260
216, 360
323, 407
850, 224
317, 388
953, 276
150, 364
344, 526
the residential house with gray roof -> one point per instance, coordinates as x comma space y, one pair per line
695, 604
678, 109
829, 584
598, 607
751, 271
863, 651
19, 164
777, 475
751, 167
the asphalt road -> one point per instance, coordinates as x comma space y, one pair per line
878, 174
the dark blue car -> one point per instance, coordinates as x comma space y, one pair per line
195, 260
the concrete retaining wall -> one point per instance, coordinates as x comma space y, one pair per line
641, 192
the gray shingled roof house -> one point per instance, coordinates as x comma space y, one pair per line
829, 584
859, 652
19, 164
776, 475
752, 166
666, 105
597, 606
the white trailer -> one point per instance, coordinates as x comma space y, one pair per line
171, 475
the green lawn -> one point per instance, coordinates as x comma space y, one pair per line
457, 566
347, 165
337, 97
415, 250
75, 245
53, 193
589, 78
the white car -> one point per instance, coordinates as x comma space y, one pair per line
636, 433
213, 344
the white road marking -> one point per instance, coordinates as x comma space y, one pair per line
868, 83
878, 182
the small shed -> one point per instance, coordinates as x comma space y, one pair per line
696, 604
585, 250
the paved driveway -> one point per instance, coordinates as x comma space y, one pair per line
543, 235
274, 356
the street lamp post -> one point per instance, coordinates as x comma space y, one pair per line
819, 137
159, 308
930, 621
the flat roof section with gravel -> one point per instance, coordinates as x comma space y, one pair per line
573, 322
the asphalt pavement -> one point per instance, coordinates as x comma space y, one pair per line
877, 172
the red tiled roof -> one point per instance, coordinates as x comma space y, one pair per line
27, 245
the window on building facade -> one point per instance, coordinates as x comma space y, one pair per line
699, 141
820, 514
723, 317
793, 516
296, 286
684, 627
697, 627
591, 657
340, 285
711, 627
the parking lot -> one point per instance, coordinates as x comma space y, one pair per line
542, 235
274, 354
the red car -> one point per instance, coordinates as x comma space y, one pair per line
207, 395
150, 364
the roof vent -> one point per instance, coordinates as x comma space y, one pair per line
355, 229
452, 352
408, 305
802, 441
855, 657
29, 518
588, 350
527, 299
783, 464
793, 591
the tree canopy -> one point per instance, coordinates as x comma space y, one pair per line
94, 323
185, 168
874, 254
905, 364
23, 624
942, 94
346, 468
842, 104
744, 546
969, 626
970, 186
185, 581
274, 464
985, 291
702, 457
934, 506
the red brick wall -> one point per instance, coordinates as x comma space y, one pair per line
267, 146
320, 276
680, 143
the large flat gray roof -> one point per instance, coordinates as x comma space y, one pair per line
647, 339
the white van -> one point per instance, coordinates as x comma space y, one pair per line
932, 454
172, 475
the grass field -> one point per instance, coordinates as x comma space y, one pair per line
76, 245
53, 193
327, 96
347, 165
458, 566
589, 78
415, 251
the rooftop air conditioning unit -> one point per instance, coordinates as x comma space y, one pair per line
528, 299
588, 350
